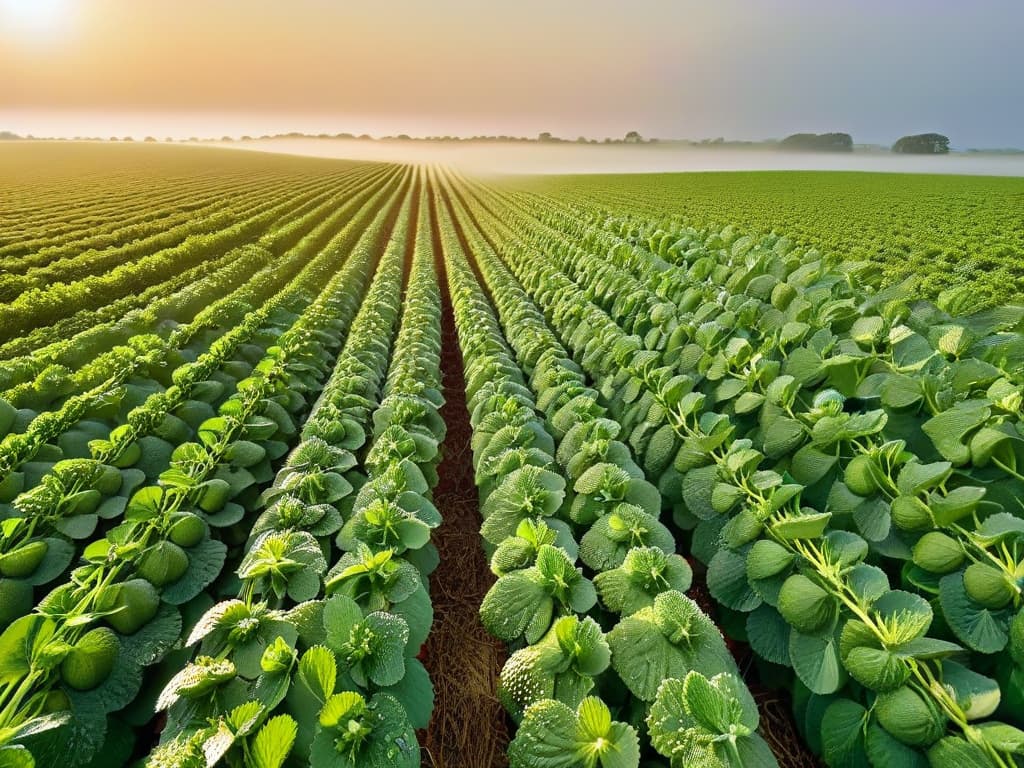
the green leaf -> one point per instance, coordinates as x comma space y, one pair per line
700, 721
727, 581
950, 430
20, 643
956, 505
415, 692
954, 752
698, 490
554, 736
516, 603
873, 519
374, 649
645, 573
816, 662
842, 732
908, 615
318, 669
1003, 737
16, 756
977, 695
354, 733
802, 525
783, 436
979, 628
611, 537
666, 640
807, 606
766, 559
205, 563
273, 742
418, 612
809, 465
768, 635
885, 749
59, 555
916, 478
546, 738
868, 582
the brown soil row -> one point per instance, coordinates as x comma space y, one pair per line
469, 728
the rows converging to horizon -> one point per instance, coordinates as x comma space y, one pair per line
312, 462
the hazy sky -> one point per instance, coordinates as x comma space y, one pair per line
671, 68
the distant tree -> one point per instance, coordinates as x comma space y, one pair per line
365, 137
114, 138
403, 137
344, 136
922, 144
545, 136
246, 138
169, 139
818, 142
633, 137
226, 138
149, 139
127, 138
8, 136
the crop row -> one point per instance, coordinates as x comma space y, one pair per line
218, 298
349, 517
557, 487
944, 232
37, 306
72, 261
822, 442
161, 547
29, 432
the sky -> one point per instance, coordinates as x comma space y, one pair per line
741, 69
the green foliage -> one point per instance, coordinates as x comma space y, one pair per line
553, 735
922, 144
705, 721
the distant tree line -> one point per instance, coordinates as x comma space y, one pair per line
917, 144
922, 144
818, 142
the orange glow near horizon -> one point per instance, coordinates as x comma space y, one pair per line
387, 66
741, 69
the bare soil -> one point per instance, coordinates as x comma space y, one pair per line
469, 727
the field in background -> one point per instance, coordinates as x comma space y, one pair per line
490, 158
947, 230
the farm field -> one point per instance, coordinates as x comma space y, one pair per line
335, 463
948, 230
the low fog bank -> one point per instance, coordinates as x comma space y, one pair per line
536, 158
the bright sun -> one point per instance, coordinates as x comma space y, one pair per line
34, 20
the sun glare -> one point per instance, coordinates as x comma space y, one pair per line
34, 20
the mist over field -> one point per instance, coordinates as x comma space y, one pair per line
568, 157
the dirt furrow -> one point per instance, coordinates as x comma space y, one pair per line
469, 728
